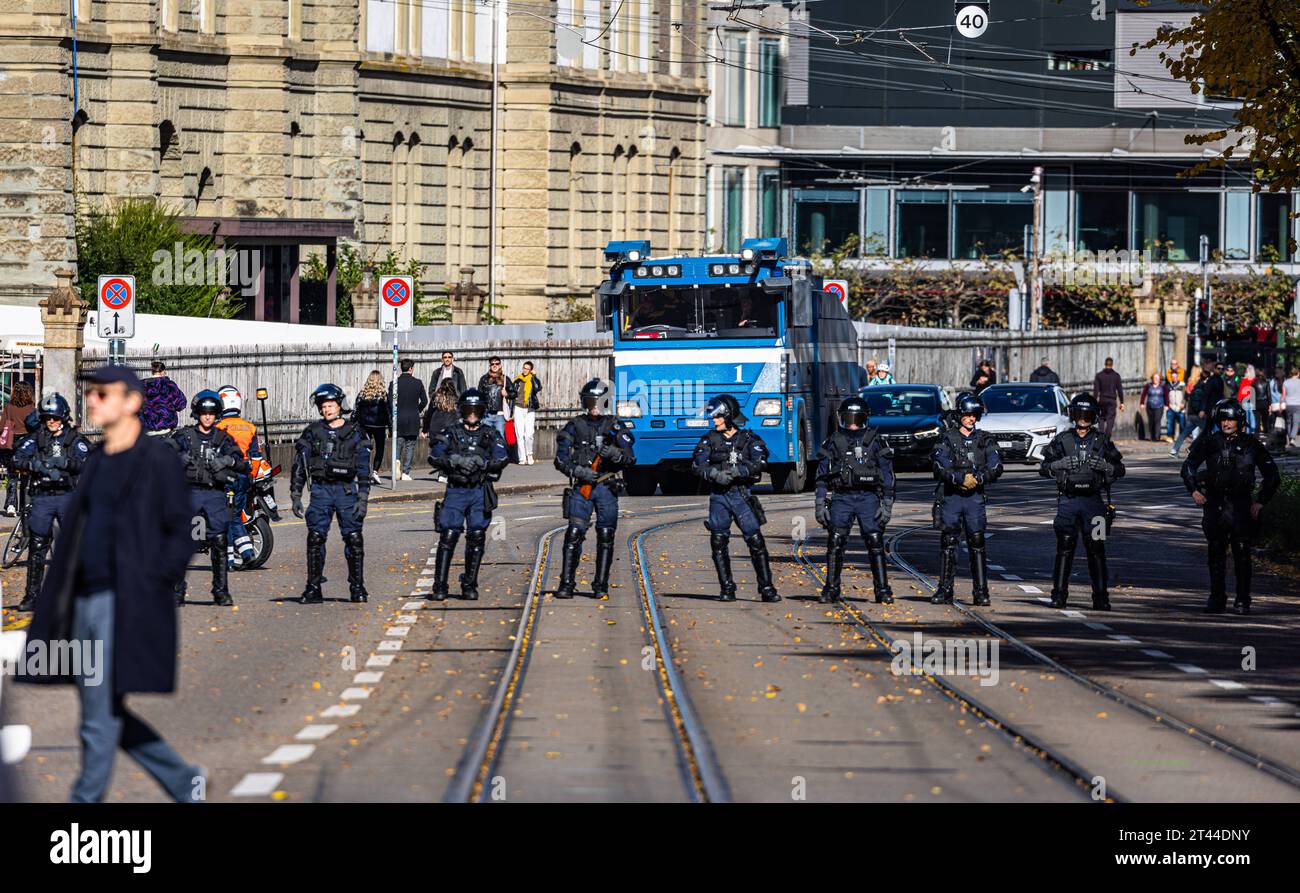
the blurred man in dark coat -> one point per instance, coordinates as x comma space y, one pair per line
411, 400
110, 591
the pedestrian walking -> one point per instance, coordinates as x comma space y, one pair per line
442, 410
497, 392
883, 375
1174, 374
1246, 397
1108, 388
12, 428
527, 386
162, 400
110, 588
1291, 405
1276, 408
374, 413
411, 400
1194, 414
1154, 398
1175, 412
448, 371
1044, 374
984, 376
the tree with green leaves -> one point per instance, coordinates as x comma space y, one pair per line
351, 270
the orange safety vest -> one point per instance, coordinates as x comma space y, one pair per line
241, 430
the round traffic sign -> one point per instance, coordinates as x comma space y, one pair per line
116, 293
836, 289
972, 21
396, 293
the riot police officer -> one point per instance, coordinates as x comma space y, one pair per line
212, 463
245, 434
53, 455
335, 453
965, 461
1224, 488
1084, 462
730, 459
592, 450
857, 467
471, 455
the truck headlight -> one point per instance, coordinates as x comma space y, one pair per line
928, 432
629, 409
768, 406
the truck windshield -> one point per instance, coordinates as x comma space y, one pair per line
710, 311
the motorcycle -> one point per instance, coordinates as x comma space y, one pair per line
257, 516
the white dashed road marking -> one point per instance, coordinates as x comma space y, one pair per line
257, 784
289, 753
315, 733
1227, 683
1190, 668
1032, 589
341, 710
1152, 652
1127, 640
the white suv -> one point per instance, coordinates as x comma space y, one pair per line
1023, 417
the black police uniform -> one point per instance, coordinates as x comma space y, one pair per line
213, 461
337, 459
591, 451
729, 464
54, 463
1083, 468
471, 458
1226, 476
955, 456
857, 468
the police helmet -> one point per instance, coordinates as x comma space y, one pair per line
232, 402
854, 411
969, 404
1084, 407
32, 421
53, 406
595, 393
327, 392
205, 402
472, 401
1229, 410
723, 406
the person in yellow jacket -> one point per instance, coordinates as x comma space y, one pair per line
244, 433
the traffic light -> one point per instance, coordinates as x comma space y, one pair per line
1203, 317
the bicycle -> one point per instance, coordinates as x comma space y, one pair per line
16, 542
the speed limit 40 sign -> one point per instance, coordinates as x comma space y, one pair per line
972, 19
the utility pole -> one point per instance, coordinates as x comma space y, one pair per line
492, 177
1204, 295
1035, 270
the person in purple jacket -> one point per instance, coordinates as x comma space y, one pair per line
162, 400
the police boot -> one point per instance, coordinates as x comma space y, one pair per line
569, 558
835, 544
947, 568
354, 550
1242, 567
311, 595
879, 576
442, 563
1061, 569
39, 546
979, 570
604, 561
1218, 561
762, 567
1096, 552
474, 540
220, 571
722, 562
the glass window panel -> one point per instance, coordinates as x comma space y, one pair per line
1101, 221
734, 74
1171, 223
1056, 214
733, 190
824, 218
770, 217
988, 223
1236, 236
1274, 227
769, 83
922, 217
875, 240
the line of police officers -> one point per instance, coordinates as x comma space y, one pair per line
855, 484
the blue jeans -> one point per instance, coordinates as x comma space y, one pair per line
498, 421
1250, 419
406, 452
1170, 417
1193, 422
107, 724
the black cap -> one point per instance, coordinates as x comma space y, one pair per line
112, 374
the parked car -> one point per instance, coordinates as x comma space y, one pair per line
910, 417
1024, 417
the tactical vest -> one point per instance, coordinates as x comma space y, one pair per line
855, 466
723, 451
1083, 480
199, 469
240, 430
1231, 467
332, 452
589, 435
968, 456
469, 443
51, 446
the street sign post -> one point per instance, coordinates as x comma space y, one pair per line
396, 314
115, 319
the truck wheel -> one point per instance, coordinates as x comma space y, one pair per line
640, 481
794, 477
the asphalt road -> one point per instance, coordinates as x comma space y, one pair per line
662, 693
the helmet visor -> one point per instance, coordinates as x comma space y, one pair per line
853, 416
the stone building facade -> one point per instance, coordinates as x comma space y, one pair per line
375, 115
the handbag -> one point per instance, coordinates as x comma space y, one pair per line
7, 434
1279, 424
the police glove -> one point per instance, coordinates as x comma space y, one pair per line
723, 476
57, 462
1097, 463
611, 451
36, 466
296, 500
462, 463
822, 512
885, 512
585, 474
969, 482
1063, 464
363, 500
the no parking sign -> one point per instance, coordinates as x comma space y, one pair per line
839, 288
116, 316
396, 303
